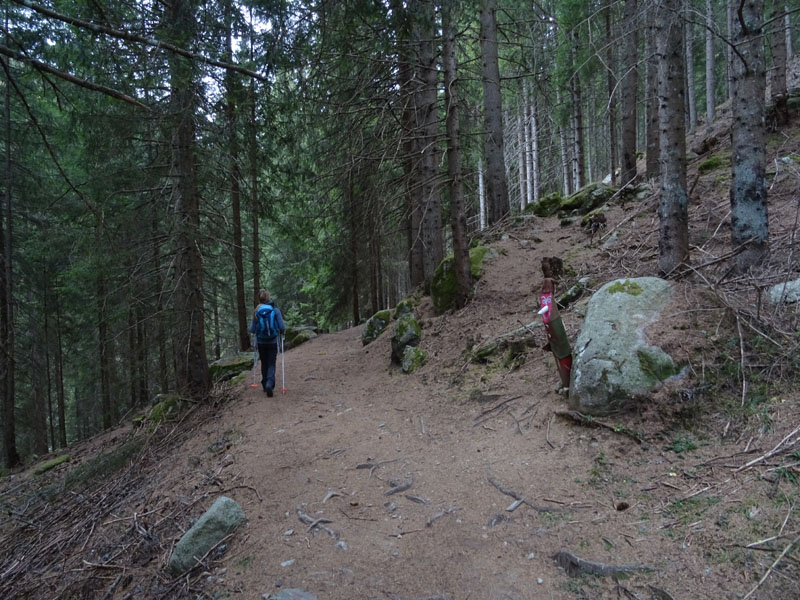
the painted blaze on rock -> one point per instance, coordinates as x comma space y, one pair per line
615, 363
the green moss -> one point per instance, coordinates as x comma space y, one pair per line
230, 366
405, 306
51, 464
548, 205
443, 285
626, 286
103, 466
655, 366
375, 326
711, 164
413, 358
166, 408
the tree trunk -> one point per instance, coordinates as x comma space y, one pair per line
777, 80
190, 346
788, 29
612, 84
253, 152
711, 76
691, 104
232, 118
433, 243
522, 157
38, 417
653, 134
103, 359
729, 12
496, 185
61, 399
579, 148
630, 85
352, 214
7, 360
673, 242
458, 221
481, 196
749, 224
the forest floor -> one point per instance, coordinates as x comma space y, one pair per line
666, 487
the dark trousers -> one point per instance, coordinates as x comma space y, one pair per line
267, 354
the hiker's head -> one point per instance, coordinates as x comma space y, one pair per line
263, 297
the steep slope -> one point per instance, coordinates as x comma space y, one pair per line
467, 438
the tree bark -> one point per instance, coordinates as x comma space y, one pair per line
579, 153
653, 135
673, 242
749, 223
427, 105
458, 221
61, 399
253, 157
191, 362
7, 359
612, 102
496, 184
711, 75
691, 104
232, 118
777, 80
630, 86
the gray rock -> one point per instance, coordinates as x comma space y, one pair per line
291, 594
406, 332
613, 362
222, 518
413, 358
786, 292
375, 326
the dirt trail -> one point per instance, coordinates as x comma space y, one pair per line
450, 432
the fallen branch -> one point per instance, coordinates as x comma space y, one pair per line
776, 450
589, 421
575, 565
772, 567
518, 497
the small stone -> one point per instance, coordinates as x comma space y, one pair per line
531, 556
288, 532
287, 563
539, 580
342, 545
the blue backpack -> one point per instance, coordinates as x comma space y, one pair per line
265, 322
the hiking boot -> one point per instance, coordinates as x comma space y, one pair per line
269, 392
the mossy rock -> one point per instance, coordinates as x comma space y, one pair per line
656, 364
295, 336
625, 286
375, 326
51, 464
711, 164
406, 306
413, 358
165, 408
406, 332
230, 366
587, 198
547, 206
443, 285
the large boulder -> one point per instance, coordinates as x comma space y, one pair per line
443, 284
222, 518
406, 332
375, 326
614, 362
298, 335
229, 367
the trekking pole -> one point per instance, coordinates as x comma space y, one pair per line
255, 361
283, 371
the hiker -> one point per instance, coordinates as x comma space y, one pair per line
267, 325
